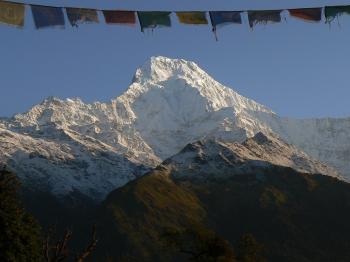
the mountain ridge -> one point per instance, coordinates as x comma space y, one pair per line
293, 214
171, 102
206, 158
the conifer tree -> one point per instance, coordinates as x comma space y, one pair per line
19, 232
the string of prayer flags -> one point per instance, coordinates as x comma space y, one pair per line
119, 17
12, 14
222, 18
154, 19
307, 14
45, 16
192, 18
264, 17
78, 16
332, 12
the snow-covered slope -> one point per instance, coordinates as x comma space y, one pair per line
171, 102
67, 164
214, 157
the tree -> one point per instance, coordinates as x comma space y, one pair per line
250, 250
199, 244
59, 251
19, 233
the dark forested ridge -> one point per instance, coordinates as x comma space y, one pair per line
270, 214
297, 217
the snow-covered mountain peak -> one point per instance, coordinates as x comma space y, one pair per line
56, 111
184, 80
171, 99
171, 103
164, 90
160, 68
215, 157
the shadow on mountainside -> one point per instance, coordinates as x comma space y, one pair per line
297, 217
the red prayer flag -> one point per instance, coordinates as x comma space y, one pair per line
119, 17
308, 14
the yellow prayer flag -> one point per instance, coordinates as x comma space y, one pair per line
12, 13
192, 18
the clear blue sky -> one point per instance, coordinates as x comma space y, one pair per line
298, 69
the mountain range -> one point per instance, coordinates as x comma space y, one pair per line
172, 113
179, 157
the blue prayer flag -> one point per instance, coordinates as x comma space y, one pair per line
225, 17
45, 16
221, 18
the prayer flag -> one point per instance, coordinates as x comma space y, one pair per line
221, 18
192, 18
332, 12
12, 14
264, 17
119, 17
308, 14
78, 16
45, 16
154, 19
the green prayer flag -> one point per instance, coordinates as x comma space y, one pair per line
154, 19
332, 12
